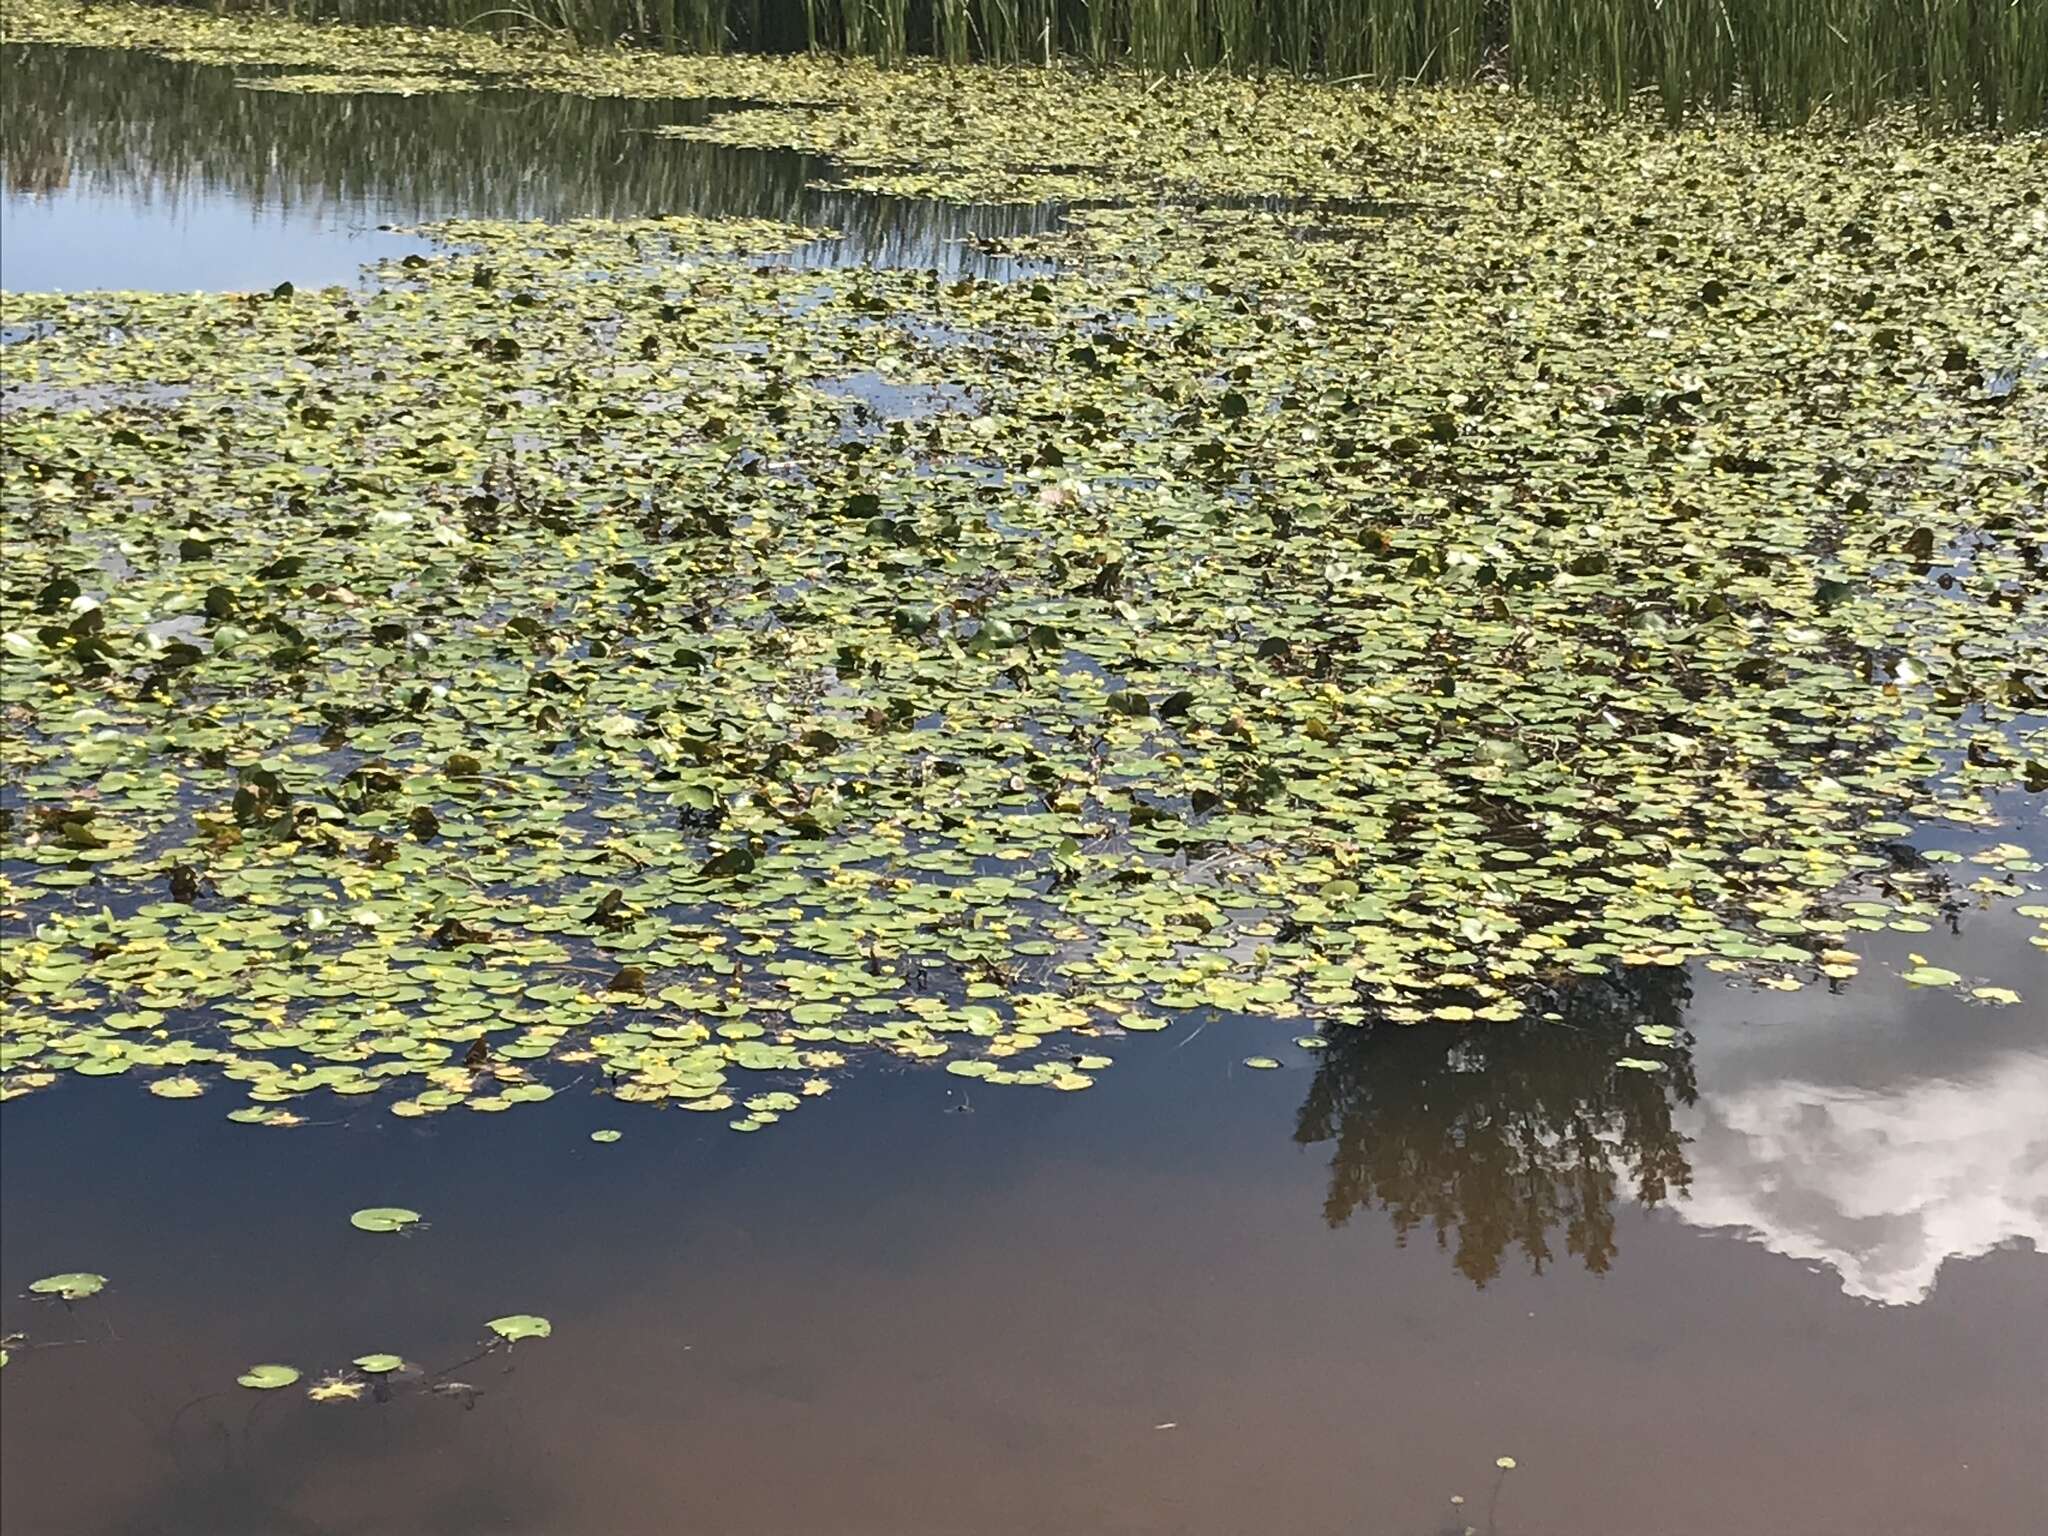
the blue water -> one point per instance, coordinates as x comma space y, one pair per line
74, 241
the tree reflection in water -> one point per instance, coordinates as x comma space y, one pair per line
1499, 1136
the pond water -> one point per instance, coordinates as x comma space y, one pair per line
1793, 1283
1182, 1302
119, 170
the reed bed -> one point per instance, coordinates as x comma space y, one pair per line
1964, 62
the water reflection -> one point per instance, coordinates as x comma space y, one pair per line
1508, 1137
1882, 1186
889, 1317
1883, 1132
122, 159
1876, 1132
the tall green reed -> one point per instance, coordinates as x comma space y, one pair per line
1962, 62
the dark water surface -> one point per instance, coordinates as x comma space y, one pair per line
1793, 1285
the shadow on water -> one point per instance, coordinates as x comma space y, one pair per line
1520, 1136
119, 169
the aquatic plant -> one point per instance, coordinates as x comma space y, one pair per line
384, 1218
1961, 60
609, 650
268, 1378
520, 1325
336, 1389
75, 1286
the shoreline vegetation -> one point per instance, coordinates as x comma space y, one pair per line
1957, 63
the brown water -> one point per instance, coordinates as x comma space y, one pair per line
1793, 1286
1127, 1310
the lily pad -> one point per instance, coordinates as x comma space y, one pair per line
520, 1325
69, 1287
1931, 976
383, 1218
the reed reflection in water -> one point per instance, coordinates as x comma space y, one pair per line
154, 139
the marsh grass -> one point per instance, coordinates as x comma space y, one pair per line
1981, 62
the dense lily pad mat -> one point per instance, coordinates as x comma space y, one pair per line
603, 651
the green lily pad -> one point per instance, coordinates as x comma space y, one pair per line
520, 1325
69, 1287
267, 1378
383, 1218
1931, 976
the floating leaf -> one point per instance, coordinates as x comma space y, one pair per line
268, 1378
1931, 976
383, 1218
69, 1287
520, 1325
